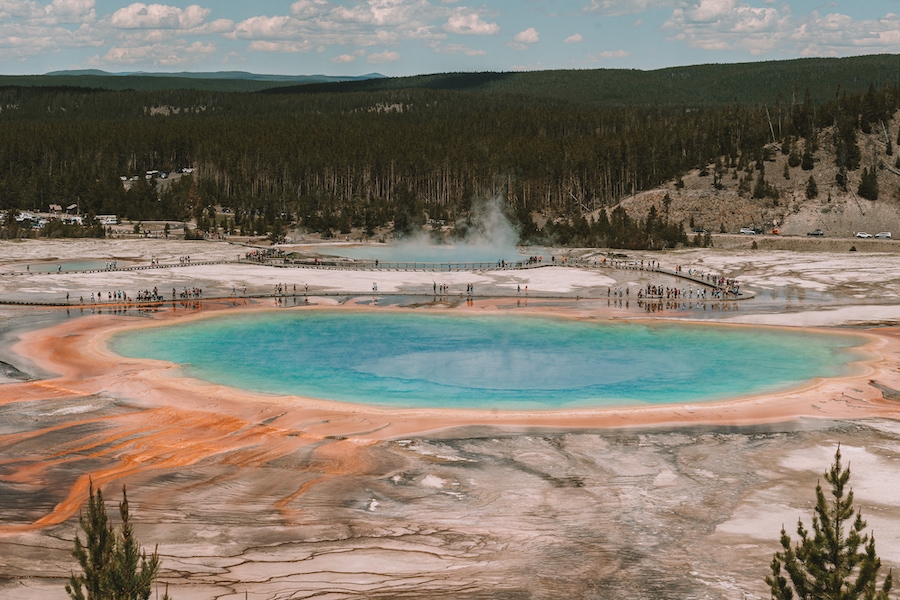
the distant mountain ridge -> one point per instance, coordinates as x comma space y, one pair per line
222, 81
242, 75
785, 82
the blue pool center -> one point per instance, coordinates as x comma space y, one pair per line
496, 362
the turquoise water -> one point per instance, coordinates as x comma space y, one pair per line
488, 362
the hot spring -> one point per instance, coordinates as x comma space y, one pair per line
501, 362
431, 253
487, 238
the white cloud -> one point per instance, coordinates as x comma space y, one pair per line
837, 35
308, 8
464, 21
159, 55
379, 12
733, 25
708, 11
342, 59
32, 13
721, 25
131, 34
529, 36
217, 26
387, 37
613, 8
280, 46
72, 11
21, 9
347, 58
364, 23
156, 35
19, 41
756, 19
158, 16
383, 57
424, 32
256, 28
391, 12
374, 12
524, 39
30, 29
573, 39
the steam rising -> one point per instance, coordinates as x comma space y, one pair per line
489, 227
487, 236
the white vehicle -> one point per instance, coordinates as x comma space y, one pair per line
884, 235
747, 231
863, 234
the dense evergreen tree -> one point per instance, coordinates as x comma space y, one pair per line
868, 185
763, 188
812, 190
840, 178
794, 159
95, 554
808, 161
112, 563
835, 562
847, 153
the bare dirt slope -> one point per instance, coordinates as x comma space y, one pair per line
836, 212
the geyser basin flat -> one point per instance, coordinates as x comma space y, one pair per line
64, 266
427, 253
489, 362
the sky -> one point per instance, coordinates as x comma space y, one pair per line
410, 37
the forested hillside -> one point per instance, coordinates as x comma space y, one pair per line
776, 83
380, 154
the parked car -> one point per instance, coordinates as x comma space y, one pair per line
747, 231
816, 232
863, 234
884, 235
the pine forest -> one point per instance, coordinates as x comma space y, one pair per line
554, 147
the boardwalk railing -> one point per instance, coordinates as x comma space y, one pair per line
116, 269
708, 280
371, 265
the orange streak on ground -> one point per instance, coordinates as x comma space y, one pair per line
174, 441
333, 459
283, 505
32, 391
152, 439
7, 441
167, 422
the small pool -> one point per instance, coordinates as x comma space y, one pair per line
505, 362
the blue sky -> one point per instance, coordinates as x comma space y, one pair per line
408, 37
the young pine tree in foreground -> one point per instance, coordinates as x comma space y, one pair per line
836, 562
113, 565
